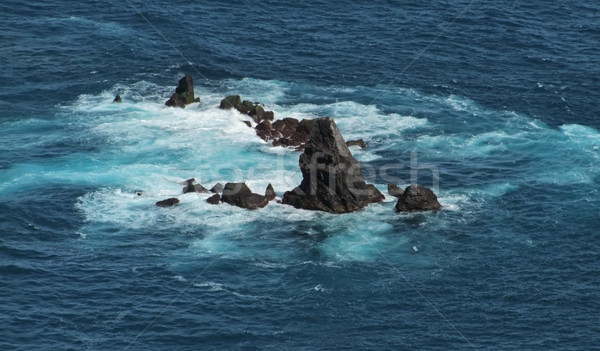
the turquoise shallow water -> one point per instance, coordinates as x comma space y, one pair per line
498, 116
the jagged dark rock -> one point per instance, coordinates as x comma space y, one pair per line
265, 130
395, 190
168, 202
184, 93
374, 194
175, 101
117, 99
217, 188
214, 200
417, 198
190, 187
248, 123
238, 194
287, 132
246, 107
270, 193
332, 179
358, 142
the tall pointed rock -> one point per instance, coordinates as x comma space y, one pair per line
332, 179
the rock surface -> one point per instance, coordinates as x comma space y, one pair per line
238, 194
190, 187
231, 101
214, 200
217, 188
117, 99
168, 202
374, 194
184, 93
332, 179
287, 132
417, 198
270, 193
395, 190
361, 143
252, 109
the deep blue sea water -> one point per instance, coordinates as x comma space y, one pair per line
493, 104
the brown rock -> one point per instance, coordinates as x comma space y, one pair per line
395, 190
417, 198
168, 202
238, 194
214, 200
358, 142
270, 193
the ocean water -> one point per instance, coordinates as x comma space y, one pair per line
493, 105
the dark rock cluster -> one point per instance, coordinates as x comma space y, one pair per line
252, 109
332, 180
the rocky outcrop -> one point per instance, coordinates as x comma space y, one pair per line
214, 200
231, 101
117, 99
270, 193
238, 194
190, 187
361, 143
332, 179
395, 190
287, 132
252, 109
374, 194
168, 202
417, 198
184, 93
217, 188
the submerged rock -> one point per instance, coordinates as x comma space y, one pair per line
184, 93
361, 143
238, 194
332, 179
417, 198
168, 202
